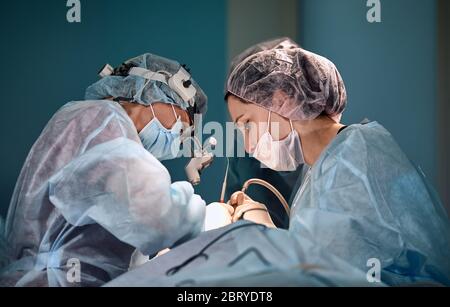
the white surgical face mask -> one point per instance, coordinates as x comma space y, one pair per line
162, 143
282, 156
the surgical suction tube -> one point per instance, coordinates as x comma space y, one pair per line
270, 187
256, 181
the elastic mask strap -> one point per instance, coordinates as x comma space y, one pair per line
153, 111
148, 74
269, 121
174, 113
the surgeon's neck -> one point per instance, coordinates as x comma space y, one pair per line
139, 114
315, 136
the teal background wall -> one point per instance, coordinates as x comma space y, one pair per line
390, 68
444, 100
47, 62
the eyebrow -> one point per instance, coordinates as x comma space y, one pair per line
238, 118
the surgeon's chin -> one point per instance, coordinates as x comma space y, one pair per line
249, 151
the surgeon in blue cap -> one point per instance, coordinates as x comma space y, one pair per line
93, 190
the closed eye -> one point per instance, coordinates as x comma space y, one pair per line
243, 126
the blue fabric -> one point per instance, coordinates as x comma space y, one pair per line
3, 245
364, 199
164, 144
245, 254
87, 191
137, 88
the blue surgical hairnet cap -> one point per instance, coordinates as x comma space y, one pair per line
135, 88
286, 79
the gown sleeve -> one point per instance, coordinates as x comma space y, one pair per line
123, 188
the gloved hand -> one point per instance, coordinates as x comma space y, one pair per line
218, 215
250, 210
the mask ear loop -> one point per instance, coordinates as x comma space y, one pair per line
174, 112
153, 112
269, 123
177, 118
292, 126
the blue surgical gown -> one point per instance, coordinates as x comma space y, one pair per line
363, 199
245, 255
90, 193
362, 208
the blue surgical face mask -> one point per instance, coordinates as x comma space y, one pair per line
161, 142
